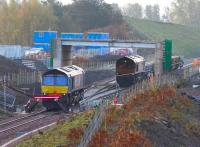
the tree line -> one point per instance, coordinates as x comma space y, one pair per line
19, 19
186, 12
135, 10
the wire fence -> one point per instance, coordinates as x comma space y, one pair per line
22, 77
15, 79
125, 95
96, 66
94, 125
10, 99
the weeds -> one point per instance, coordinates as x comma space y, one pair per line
163, 103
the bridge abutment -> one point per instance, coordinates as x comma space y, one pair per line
62, 55
66, 55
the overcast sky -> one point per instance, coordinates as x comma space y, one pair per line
122, 3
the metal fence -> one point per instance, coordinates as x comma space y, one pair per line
10, 99
170, 78
15, 79
190, 70
100, 65
94, 125
22, 77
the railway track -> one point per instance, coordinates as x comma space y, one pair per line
6, 123
108, 88
99, 84
13, 128
100, 89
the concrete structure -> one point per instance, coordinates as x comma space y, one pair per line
63, 55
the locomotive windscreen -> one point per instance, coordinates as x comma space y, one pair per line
125, 66
58, 80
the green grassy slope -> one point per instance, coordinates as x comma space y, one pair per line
186, 40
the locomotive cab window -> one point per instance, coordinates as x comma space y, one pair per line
58, 80
125, 66
48, 80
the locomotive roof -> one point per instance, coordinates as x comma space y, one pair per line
135, 58
70, 71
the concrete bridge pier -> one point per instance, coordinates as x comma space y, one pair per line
66, 55
158, 60
62, 55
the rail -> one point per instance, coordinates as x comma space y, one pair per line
21, 118
14, 127
22, 124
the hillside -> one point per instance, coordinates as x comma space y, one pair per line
185, 39
159, 117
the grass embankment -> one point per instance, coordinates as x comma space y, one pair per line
158, 117
185, 39
67, 133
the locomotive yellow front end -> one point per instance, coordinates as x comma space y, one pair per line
61, 87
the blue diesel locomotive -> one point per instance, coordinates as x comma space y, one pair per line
60, 88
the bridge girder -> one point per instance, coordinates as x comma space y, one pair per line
110, 43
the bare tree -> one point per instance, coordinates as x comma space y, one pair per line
148, 12
133, 10
156, 13
186, 12
166, 16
